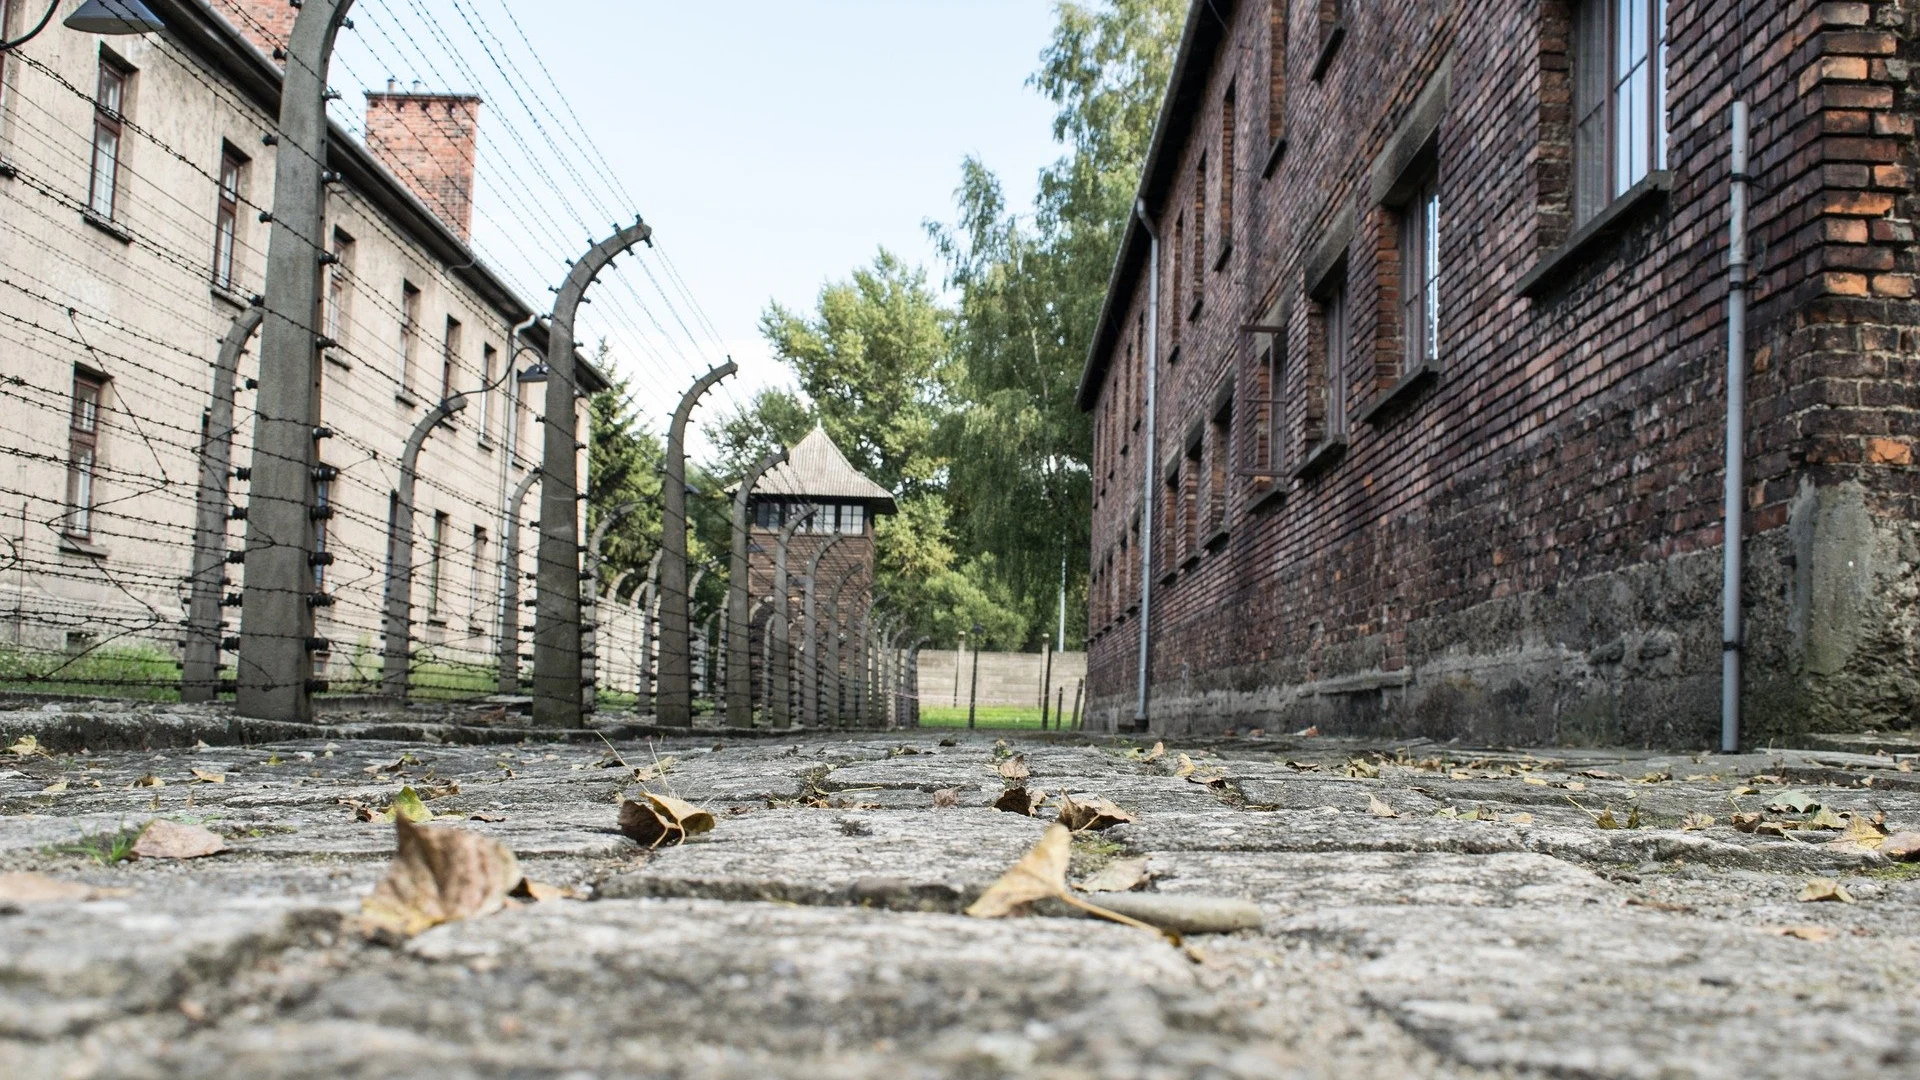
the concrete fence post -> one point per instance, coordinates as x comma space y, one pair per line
397, 668
510, 587
676, 663
200, 664
740, 599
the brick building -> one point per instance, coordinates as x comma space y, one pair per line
1439, 372
134, 175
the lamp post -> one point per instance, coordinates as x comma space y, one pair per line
110, 17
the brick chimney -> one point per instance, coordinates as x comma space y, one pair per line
430, 142
266, 23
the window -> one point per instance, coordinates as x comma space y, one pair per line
853, 520
523, 425
449, 356
1420, 277
1228, 167
339, 287
1333, 30
1277, 68
1333, 314
436, 563
489, 362
409, 334
226, 218
1190, 501
1619, 99
1269, 376
1179, 262
83, 448
477, 583
1199, 283
322, 501
1219, 443
109, 99
1171, 519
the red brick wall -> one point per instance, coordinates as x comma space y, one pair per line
1529, 550
430, 141
266, 23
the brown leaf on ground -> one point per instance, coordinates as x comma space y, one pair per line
149, 780
946, 799
1041, 874
202, 776
650, 773
439, 876
1862, 834
55, 788
1696, 822
656, 819
163, 839
1803, 933
1362, 769
542, 893
1015, 768
1379, 808
1825, 890
949, 742
1019, 800
1902, 847
1159, 751
1185, 768
493, 819
1092, 815
41, 889
1599, 774
1120, 875
1302, 766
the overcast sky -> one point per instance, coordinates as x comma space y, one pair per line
772, 145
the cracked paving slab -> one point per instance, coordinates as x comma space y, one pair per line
1490, 928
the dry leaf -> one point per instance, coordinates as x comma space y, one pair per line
491, 818
1803, 933
54, 788
1825, 890
149, 780
1520, 819
1364, 770
1121, 875
1185, 768
1302, 766
655, 819
23, 888
1042, 874
407, 805
1092, 815
1378, 808
1606, 820
1863, 834
28, 746
542, 893
1015, 768
1159, 751
1575, 785
1902, 847
654, 771
1018, 800
1534, 781
205, 777
1696, 822
163, 839
1793, 802
1827, 819
439, 876
946, 799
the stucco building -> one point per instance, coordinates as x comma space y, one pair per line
136, 176
1438, 373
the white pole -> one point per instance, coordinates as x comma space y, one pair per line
1733, 635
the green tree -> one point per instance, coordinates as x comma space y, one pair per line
1031, 289
773, 419
625, 462
874, 360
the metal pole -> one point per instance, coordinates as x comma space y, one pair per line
780, 691
1142, 716
1079, 697
398, 657
200, 664
740, 599
1046, 688
810, 636
676, 661
276, 631
1733, 629
973, 695
556, 635
510, 591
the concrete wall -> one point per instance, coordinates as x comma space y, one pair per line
1005, 678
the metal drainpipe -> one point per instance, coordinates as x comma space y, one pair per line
1733, 636
1141, 718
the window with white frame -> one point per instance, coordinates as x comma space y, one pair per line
1619, 99
226, 217
110, 95
1420, 276
83, 451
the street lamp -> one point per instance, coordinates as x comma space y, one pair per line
97, 17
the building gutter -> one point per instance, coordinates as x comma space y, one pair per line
1733, 635
1142, 716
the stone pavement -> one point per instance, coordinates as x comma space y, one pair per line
1492, 928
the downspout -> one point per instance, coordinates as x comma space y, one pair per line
1141, 717
1733, 629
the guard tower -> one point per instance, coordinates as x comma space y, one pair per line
817, 477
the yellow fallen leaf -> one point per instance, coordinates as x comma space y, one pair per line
1575, 785
1362, 769
654, 819
27, 746
1803, 933
1185, 768
1159, 751
1378, 808
1041, 874
407, 805
1015, 768
205, 777
1458, 774
1520, 819
1863, 834
1092, 815
1696, 822
163, 839
55, 788
1825, 890
1534, 781
439, 876
1121, 875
